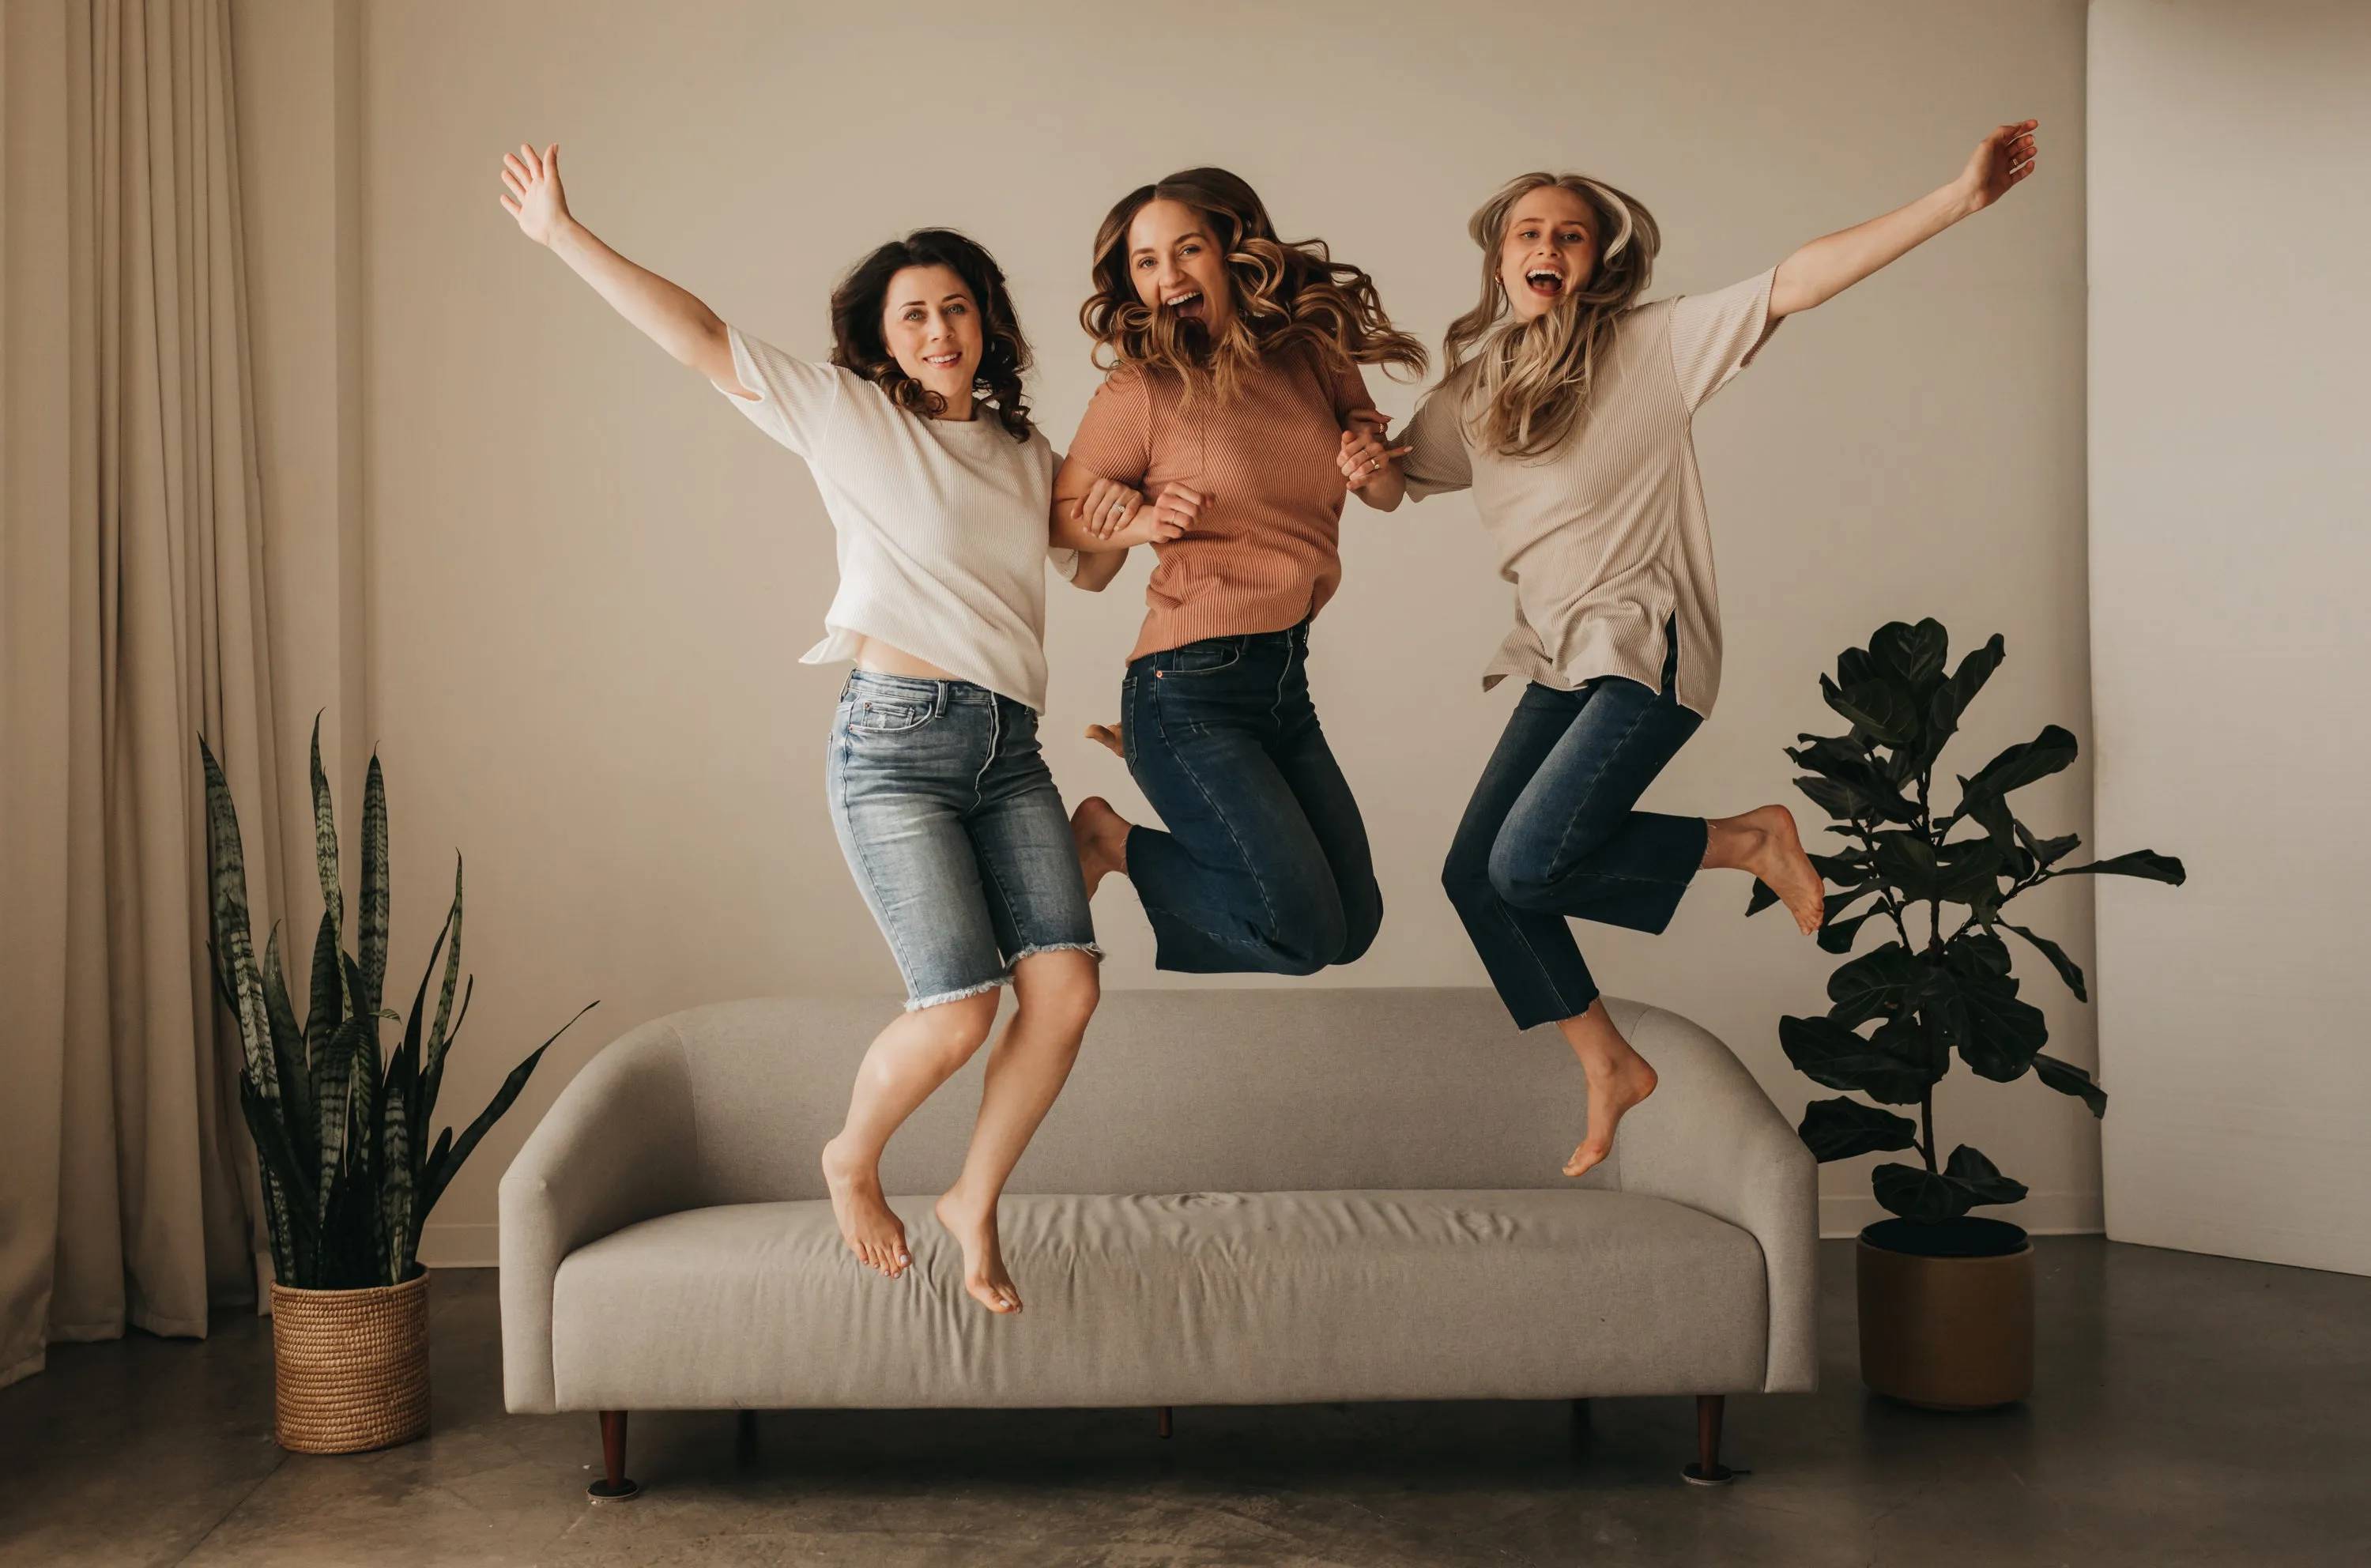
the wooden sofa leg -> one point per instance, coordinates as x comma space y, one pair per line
1708, 1471
1165, 1427
613, 1484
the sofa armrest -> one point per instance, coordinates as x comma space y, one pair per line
1708, 1137
617, 1146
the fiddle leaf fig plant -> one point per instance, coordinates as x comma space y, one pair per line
342, 1125
1938, 885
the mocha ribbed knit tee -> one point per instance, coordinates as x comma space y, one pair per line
1605, 538
1264, 555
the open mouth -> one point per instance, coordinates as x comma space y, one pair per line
1188, 304
942, 362
1543, 283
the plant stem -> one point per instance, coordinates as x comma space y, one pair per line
1927, 1125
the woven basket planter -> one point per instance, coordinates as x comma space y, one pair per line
352, 1367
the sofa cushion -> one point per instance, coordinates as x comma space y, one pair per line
1194, 1299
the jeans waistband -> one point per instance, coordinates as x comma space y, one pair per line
1292, 639
940, 695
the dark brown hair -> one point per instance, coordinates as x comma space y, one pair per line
1285, 294
859, 344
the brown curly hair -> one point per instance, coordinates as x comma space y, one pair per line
1286, 294
859, 344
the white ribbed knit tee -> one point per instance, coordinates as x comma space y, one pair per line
1605, 538
941, 524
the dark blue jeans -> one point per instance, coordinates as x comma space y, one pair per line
1550, 834
1265, 866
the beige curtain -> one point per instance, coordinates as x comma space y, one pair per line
132, 618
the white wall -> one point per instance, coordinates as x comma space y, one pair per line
2230, 544
589, 581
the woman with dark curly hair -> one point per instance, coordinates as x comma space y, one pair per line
938, 487
1236, 419
1567, 409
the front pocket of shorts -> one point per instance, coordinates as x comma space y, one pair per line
1195, 661
871, 717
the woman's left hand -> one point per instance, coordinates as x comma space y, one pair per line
1107, 507
2000, 160
1363, 453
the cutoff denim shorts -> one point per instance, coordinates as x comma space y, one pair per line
954, 831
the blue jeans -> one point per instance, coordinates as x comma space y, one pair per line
1265, 866
954, 831
1550, 834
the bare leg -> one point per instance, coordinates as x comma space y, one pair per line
1618, 1079
1101, 835
1764, 843
907, 1060
1057, 992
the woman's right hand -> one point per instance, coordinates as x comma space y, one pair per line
1165, 517
534, 197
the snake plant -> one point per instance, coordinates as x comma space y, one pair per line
340, 1125
1936, 882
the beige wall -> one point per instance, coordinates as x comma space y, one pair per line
588, 581
2228, 476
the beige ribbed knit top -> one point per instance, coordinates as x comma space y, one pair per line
1264, 555
1605, 538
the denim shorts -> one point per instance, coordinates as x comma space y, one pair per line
954, 831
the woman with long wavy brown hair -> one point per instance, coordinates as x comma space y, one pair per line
937, 484
1232, 423
1566, 409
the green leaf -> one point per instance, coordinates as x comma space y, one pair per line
1975, 1005
326, 1011
1968, 872
2147, 864
1982, 1180
371, 909
1827, 1053
1761, 899
1908, 862
1881, 981
1837, 936
1877, 705
2047, 851
442, 1172
1911, 656
325, 842
2068, 969
303, 1113
1845, 870
334, 1069
395, 1164
1976, 669
439, 1038
1841, 1128
233, 928
2068, 1078
1853, 665
2013, 769
1919, 1195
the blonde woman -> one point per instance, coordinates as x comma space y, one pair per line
1235, 402
1566, 409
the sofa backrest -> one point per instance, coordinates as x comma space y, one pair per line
1239, 1089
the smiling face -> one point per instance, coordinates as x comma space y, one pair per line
931, 326
1175, 263
1549, 250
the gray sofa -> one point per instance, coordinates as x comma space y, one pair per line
1244, 1196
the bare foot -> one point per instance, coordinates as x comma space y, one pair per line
973, 1225
1613, 1090
1109, 737
1764, 843
874, 1233
1101, 835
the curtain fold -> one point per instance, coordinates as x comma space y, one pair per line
135, 595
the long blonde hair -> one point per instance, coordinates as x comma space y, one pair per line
1532, 379
1287, 293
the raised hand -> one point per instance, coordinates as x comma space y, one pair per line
2000, 160
1364, 454
534, 197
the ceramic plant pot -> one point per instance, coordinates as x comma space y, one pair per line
1946, 1312
351, 1366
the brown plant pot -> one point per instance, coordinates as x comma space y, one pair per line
1946, 1328
352, 1367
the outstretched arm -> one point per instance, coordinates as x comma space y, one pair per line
1828, 266
673, 318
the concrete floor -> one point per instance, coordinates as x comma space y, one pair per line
2191, 1409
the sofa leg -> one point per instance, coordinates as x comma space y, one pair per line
1581, 1428
613, 1484
1708, 1471
1166, 1426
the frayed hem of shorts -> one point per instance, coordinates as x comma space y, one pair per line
916, 1004
1090, 949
